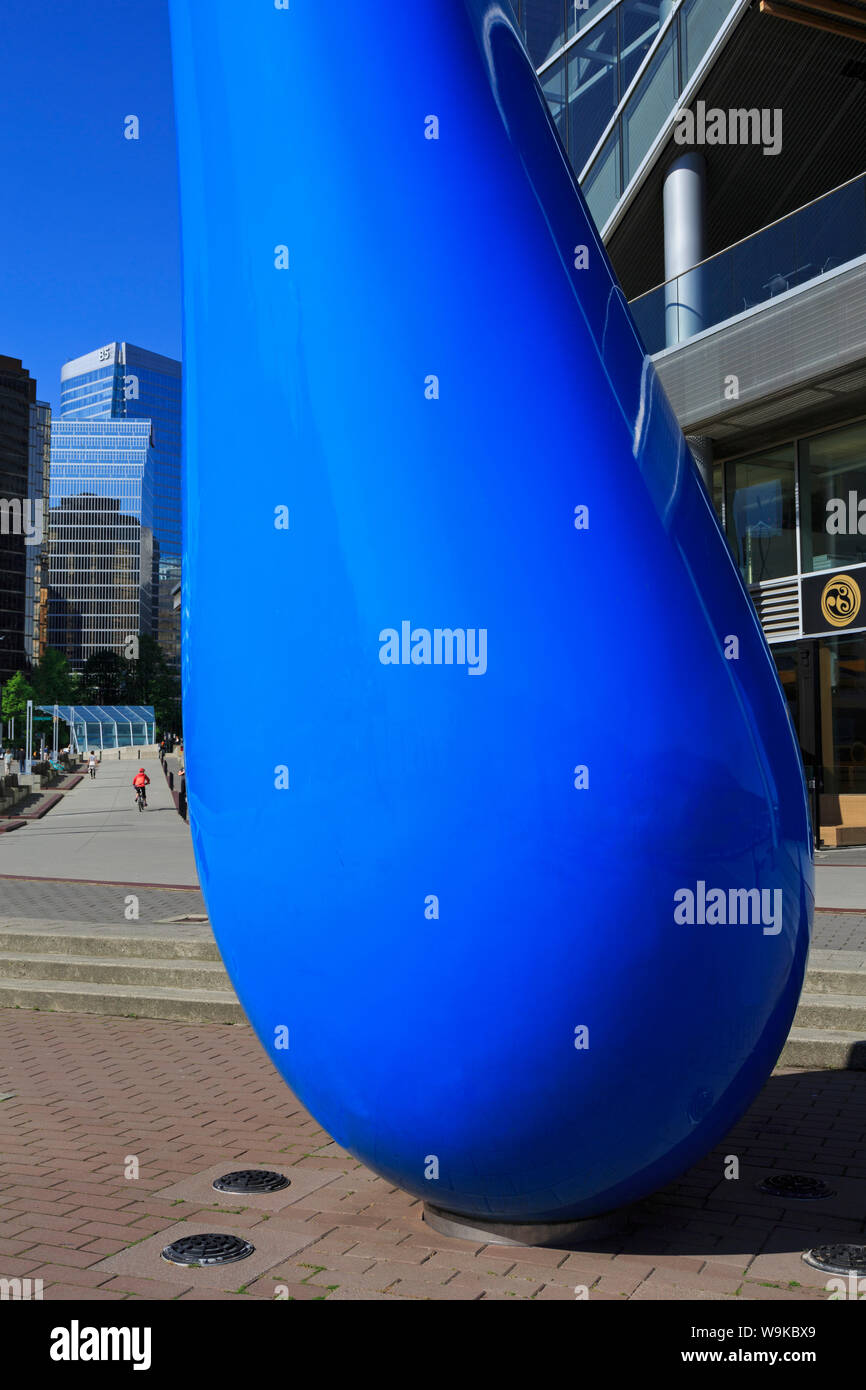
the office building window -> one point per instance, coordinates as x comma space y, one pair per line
842, 678
833, 498
761, 514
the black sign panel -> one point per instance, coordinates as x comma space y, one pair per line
834, 603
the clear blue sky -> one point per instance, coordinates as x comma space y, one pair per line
89, 245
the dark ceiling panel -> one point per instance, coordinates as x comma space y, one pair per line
819, 82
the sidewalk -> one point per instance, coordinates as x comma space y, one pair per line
96, 833
82, 1094
189, 1103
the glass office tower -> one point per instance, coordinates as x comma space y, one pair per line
123, 382
25, 425
100, 529
36, 556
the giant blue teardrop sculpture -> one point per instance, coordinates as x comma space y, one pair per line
499, 816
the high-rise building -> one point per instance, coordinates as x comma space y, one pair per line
25, 429
36, 558
100, 535
721, 148
122, 382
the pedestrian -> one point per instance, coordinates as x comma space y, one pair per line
91, 763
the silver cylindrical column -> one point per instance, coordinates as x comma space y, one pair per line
684, 201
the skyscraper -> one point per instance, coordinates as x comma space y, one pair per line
100, 537
25, 427
124, 382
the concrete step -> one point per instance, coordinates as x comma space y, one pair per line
836, 1012
110, 940
114, 970
824, 1049
129, 1001
851, 982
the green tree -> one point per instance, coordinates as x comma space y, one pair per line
16, 693
150, 681
104, 680
53, 681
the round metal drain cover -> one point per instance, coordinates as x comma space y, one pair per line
795, 1185
209, 1249
251, 1181
837, 1259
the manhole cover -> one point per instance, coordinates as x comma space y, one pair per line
837, 1259
795, 1185
251, 1180
209, 1249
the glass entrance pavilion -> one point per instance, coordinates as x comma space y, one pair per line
107, 726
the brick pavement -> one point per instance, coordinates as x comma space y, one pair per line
839, 931
66, 900
188, 1101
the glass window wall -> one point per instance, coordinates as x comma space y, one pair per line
833, 499
761, 514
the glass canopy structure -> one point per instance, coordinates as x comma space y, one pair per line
107, 726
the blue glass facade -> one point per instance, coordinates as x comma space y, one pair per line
123, 382
100, 536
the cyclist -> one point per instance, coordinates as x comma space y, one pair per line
140, 781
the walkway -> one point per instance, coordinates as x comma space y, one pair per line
97, 834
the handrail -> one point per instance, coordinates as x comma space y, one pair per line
742, 241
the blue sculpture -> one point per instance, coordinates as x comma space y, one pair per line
509, 857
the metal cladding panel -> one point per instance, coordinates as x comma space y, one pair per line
456, 903
786, 345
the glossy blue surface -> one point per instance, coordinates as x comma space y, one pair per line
414, 1037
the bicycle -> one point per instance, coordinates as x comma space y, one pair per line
141, 797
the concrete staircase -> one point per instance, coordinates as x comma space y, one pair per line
155, 971
829, 1031
139, 972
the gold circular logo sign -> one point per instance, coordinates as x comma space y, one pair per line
840, 601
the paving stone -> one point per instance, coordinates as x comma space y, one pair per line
192, 1099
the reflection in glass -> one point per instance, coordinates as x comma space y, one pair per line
601, 187
833, 498
842, 676
579, 16
761, 514
543, 23
700, 21
651, 104
638, 26
553, 86
786, 657
812, 241
592, 89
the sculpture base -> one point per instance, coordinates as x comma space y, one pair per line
560, 1234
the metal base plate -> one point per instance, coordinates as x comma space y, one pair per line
559, 1234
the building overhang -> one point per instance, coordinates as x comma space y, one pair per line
789, 366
